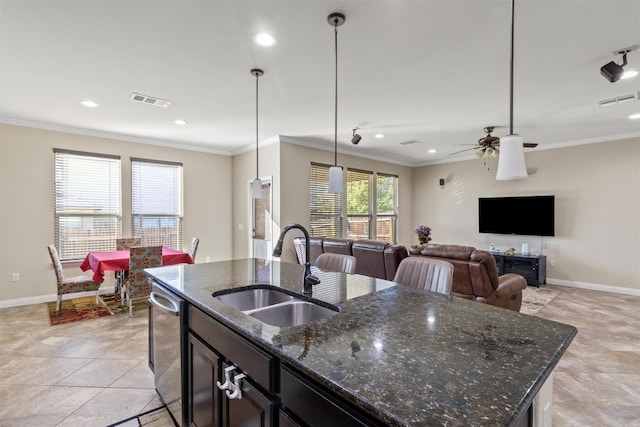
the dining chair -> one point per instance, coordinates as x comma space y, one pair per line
122, 275
70, 285
336, 262
194, 248
127, 243
425, 273
137, 285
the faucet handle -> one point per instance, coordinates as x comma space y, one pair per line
312, 280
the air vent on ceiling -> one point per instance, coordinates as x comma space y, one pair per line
149, 100
411, 141
618, 100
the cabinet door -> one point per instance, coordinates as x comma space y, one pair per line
253, 410
204, 396
313, 406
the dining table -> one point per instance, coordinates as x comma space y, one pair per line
102, 261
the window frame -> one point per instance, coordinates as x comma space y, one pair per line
78, 183
140, 213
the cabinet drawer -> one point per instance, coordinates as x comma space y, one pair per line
256, 363
309, 403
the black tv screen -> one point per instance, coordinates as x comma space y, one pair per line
523, 215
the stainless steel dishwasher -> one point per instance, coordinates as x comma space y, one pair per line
165, 322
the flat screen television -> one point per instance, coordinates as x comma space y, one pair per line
522, 215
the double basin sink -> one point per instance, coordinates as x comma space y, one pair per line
275, 307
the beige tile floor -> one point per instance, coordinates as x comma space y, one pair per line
95, 372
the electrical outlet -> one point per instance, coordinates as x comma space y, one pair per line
15, 277
552, 262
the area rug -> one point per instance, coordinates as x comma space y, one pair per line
158, 417
83, 308
535, 299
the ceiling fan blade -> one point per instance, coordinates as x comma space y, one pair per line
462, 151
529, 145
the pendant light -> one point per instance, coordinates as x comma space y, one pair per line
511, 164
335, 171
256, 185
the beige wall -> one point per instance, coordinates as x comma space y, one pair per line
244, 171
294, 187
597, 189
26, 195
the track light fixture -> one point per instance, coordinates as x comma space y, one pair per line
356, 138
613, 71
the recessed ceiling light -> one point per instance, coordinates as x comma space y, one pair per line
634, 116
264, 39
432, 150
378, 135
89, 104
180, 122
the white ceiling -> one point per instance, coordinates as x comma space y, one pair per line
432, 71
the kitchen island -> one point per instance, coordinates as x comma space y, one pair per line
391, 356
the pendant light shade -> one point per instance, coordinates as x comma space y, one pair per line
256, 185
511, 164
335, 179
335, 171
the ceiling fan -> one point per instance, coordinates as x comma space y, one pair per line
487, 146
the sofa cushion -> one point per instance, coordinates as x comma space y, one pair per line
444, 251
370, 256
337, 246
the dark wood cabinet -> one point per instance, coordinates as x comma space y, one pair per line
532, 267
273, 394
304, 400
203, 400
255, 409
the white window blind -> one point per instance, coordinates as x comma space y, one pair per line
386, 207
157, 202
359, 204
325, 208
88, 209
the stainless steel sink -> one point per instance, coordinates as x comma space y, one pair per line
250, 299
293, 313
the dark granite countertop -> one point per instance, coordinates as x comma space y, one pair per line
408, 357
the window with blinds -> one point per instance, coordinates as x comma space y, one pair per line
359, 204
325, 208
157, 202
386, 207
88, 210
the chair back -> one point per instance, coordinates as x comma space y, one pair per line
128, 243
425, 273
57, 265
336, 262
140, 258
194, 248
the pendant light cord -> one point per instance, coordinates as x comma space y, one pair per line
511, 70
335, 131
257, 78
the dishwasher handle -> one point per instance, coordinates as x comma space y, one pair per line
154, 298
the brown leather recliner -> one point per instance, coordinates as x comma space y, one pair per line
475, 275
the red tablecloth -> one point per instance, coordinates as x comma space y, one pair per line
99, 262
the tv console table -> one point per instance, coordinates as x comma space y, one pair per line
532, 267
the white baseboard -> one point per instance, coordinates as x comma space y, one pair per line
49, 298
593, 286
